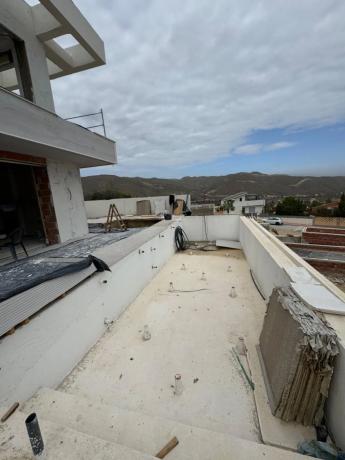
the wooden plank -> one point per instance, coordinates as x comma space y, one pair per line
167, 448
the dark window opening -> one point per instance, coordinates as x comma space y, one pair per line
19, 206
14, 67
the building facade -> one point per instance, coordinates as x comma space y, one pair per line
244, 203
40, 153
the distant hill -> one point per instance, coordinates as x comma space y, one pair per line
216, 187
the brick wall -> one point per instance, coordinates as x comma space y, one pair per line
46, 204
327, 265
45, 200
315, 247
11, 157
330, 239
340, 231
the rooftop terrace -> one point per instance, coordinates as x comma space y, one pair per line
120, 400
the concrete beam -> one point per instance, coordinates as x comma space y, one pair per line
59, 56
46, 26
69, 16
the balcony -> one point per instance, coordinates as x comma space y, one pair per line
29, 129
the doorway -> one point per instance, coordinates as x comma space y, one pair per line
19, 208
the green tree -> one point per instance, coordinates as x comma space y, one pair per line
340, 212
106, 195
291, 206
228, 205
324, 212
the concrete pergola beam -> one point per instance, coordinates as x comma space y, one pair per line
70, 18
46, 26
55, 18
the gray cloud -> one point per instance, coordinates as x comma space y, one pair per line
253, 149
188, 81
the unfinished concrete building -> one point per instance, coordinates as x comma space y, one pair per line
40, 153
192, 338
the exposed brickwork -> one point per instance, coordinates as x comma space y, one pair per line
46, 204
316, 247
339, 231
330, 239
20, 158
327, 265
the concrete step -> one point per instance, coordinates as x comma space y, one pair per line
61, 443
145, 433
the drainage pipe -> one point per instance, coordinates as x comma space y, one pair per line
35, 435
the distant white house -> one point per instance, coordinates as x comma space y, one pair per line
244, 203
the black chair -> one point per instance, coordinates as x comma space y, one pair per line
14, 238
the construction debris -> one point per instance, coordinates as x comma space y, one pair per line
168, 448
245, 373
298, 351
9, 412
228, 244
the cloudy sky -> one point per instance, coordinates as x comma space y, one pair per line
200, 87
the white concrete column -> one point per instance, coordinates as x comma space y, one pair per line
68, 199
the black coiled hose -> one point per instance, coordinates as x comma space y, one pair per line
181, 239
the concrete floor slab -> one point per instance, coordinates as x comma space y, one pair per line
61, 443
193, 334
139, 431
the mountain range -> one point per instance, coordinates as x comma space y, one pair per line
209, 188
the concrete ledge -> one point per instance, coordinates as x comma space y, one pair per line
32, 130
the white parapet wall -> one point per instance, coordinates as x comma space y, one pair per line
128, 206
44, 351
211, 228
268, 258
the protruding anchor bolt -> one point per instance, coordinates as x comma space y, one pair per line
171, 286
178, 387
233, 293
190, 253
241, 347
108, 323
35, 435
146, 333
203, 276
229, 268
183, 267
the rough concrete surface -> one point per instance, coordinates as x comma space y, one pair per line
119, 401
61, 443
192, 334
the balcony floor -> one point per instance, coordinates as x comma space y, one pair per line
192, 334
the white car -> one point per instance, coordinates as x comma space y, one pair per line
273, 220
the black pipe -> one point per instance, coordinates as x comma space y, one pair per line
34, 433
